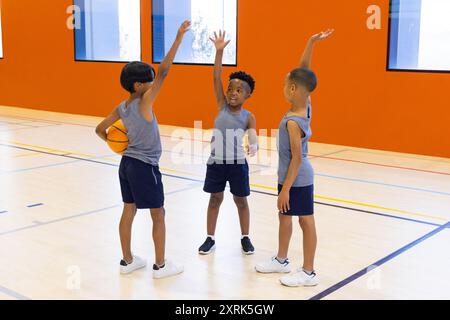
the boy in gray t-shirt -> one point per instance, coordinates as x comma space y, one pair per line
228, 156
140, 178
295, 174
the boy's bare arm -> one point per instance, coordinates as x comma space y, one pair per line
295, 134
112, 118
252, 147
220, 44
146, 104
305, 61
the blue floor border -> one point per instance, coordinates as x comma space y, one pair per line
379, 263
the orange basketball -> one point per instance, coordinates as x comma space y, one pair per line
117, 137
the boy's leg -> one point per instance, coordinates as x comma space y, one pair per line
159, 234
279, 263
215, 201
125, 227
244, 214
307, 223
284, 235
238, 176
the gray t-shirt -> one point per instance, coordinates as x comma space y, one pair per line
144, 138
228, 136
305, 175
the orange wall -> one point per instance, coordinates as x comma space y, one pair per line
357, 103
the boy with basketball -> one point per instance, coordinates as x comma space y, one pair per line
140, 178
228, 157
296, 175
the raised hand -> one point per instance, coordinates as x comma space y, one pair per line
219, 41
185, 26
322, 35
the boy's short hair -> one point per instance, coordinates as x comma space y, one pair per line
136, 72
304, 77
241, 75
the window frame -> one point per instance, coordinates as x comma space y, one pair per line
196, 63
1, 33
108, 61
388, 68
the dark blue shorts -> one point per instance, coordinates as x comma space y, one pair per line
301, 201
141, 184
236, 174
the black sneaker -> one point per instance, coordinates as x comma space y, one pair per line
207, 247
247, 247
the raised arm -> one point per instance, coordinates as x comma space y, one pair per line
220, 44
146, 105
305, 61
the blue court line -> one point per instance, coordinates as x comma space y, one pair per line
197, 180
322, 294
13, 294
317, 174
58, 220
26, 128
39, 223
360, 210
35, 205
382, 184
378, 214
379, 263
331, 176
207, 157
400, 156
193, 186
40, 167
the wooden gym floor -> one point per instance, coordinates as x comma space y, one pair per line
382, 218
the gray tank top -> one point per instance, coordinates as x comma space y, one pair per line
144, 139
228, 136
305, 175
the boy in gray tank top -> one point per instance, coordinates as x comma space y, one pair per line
228, 156
296, 175
139, 175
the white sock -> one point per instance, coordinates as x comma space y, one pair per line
309, 273
281, 260
212, 237
244, 236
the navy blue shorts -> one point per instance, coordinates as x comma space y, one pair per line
236, 174
141, 184
301, 201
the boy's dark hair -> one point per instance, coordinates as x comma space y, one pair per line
304, 77
136, 72
241, 75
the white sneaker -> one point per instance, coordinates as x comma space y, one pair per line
169, 269
273, 266
300, 279
137, 263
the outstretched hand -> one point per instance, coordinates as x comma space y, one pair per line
219, 41
185, 26
322, 35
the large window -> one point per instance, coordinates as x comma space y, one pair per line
206, 16
419, 35
109, 30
